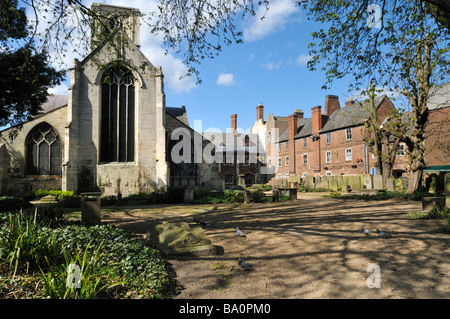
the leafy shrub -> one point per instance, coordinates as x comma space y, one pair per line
22, 245
10, 203
59, 195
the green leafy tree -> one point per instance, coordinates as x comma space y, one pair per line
25, 75
407, 53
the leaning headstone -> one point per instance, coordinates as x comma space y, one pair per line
433, 183
334, 184
90, 209
355, 182
398, 185
246, 197
390, 184
188, 195
368, 181
377, 182
447, 190
276, 195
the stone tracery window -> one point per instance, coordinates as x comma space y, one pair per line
43, 151
117, 116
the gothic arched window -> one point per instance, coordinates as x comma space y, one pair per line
117, 116
43, 151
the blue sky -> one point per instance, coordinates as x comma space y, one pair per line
268, 68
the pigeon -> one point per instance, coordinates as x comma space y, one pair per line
239, 233
383, 234
244, 265
365, 231
201, 223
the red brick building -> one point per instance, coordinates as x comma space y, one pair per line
329, 143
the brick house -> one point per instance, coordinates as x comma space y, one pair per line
328, 143
242, 156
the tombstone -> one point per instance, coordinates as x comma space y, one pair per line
432, 182
188, 195
354, 182
377, 182
390, 184
90, 209
276, 195
334, 184
368, 181
447, 190
398, 185
246, 197
344, 185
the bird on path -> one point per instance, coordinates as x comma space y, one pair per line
239, 233
365, 231
201, 223
244, 265
383, 234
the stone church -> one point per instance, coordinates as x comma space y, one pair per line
111, 133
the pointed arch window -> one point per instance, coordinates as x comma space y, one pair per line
43, 151
117, 116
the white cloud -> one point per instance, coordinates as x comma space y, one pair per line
279, 14
63, 89
303, 59
225, 79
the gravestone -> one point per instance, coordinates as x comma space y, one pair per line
180, 239
188, 195
432, 182
246, 197
377, 182
368, 181
276, 195
354, 182
90, 209
447, 190
334, 184
390, 184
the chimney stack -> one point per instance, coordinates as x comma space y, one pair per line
292, 127
331, 104
316, 119
299, 113
260, 112
234, 124
349, 102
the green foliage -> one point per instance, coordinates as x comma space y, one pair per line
92, 276
59, 195
112, 262
10, 203
22, 245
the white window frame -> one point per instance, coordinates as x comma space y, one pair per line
328, 157
329, 173
286, 146
286, 161
305, 159
401, 149
328, 138
348, 133
348, 154
279, 161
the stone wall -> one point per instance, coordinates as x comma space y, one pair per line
13, 178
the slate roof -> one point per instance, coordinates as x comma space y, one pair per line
54, 102
349, 116
179, 113
304, 128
